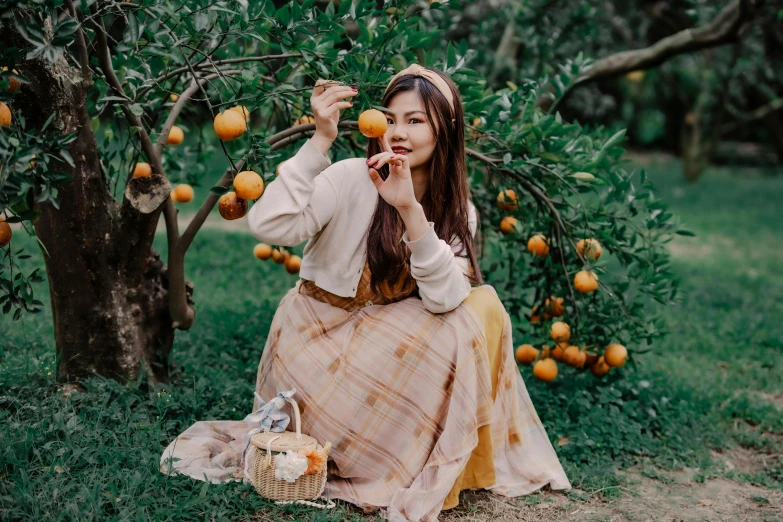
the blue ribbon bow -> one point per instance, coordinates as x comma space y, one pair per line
269, 415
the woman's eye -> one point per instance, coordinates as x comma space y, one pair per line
412, 119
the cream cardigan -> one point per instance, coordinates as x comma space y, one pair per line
332, 205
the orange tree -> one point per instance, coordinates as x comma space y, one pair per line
89, 160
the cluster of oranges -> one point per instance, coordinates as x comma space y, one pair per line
281, 256
546, 358
5, 121
5, 112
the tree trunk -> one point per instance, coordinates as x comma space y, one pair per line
694, 150
108, 286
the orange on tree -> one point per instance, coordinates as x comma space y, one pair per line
242, 110
304, 120
5, 115
560, 332
553, 307
589, 248
508, 224
574, 357
13, 84
5, 232
142, 170
538, 246
248, 185
615, 355
173, 196
173, 97
262, 251
508, 200
231, 207
183, 193
558, 352
293, 264
229, 125
476, 123
590, 357
635, 76
176, 135
372, 123
545, 370
280, 256
534, 316
526, 353
585, 281
600, 368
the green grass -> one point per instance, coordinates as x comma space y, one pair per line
706, 388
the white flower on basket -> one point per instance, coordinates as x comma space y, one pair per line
290, 466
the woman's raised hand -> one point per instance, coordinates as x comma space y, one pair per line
326, 102
397, 189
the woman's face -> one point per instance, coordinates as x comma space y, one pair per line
410, 128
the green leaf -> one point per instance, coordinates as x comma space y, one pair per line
219, 190
136, 109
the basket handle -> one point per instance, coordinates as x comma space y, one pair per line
295, 407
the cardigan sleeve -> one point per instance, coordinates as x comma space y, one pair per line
441, 270
298, 203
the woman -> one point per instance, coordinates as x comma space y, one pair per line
399, 355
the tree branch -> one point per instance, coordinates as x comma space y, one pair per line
725, 28
84, 57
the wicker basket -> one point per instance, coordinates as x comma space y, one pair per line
263, 463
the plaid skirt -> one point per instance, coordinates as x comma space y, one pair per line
418, 406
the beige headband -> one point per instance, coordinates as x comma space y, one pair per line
440, 83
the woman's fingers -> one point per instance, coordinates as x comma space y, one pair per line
380, 159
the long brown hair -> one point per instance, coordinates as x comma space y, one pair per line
446, 200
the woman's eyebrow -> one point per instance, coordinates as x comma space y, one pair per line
408, 113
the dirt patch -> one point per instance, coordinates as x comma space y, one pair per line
643, 499
674, 496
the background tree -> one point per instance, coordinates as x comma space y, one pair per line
95, 100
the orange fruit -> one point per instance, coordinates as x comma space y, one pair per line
476, 123
293, 264
229, 125
585, 281
242, 110
173, 195
545, 370
175, 136
183, 193
553, 307
600, 368
13, 84
173, 97
526, 353
560, 332
590, 358
589, 248
537, 245
248, 185
142, 170
5, 115
508, 224
615, 355
508, 200
558, 352
574, 357
231, 207
304, 120
280, 256
372, 123
262, 251
635, 76
534, 317
5, 233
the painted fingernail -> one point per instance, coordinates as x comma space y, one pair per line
354, 89
377, 164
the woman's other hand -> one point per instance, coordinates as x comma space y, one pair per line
397, 189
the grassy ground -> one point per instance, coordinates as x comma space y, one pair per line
704, 407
